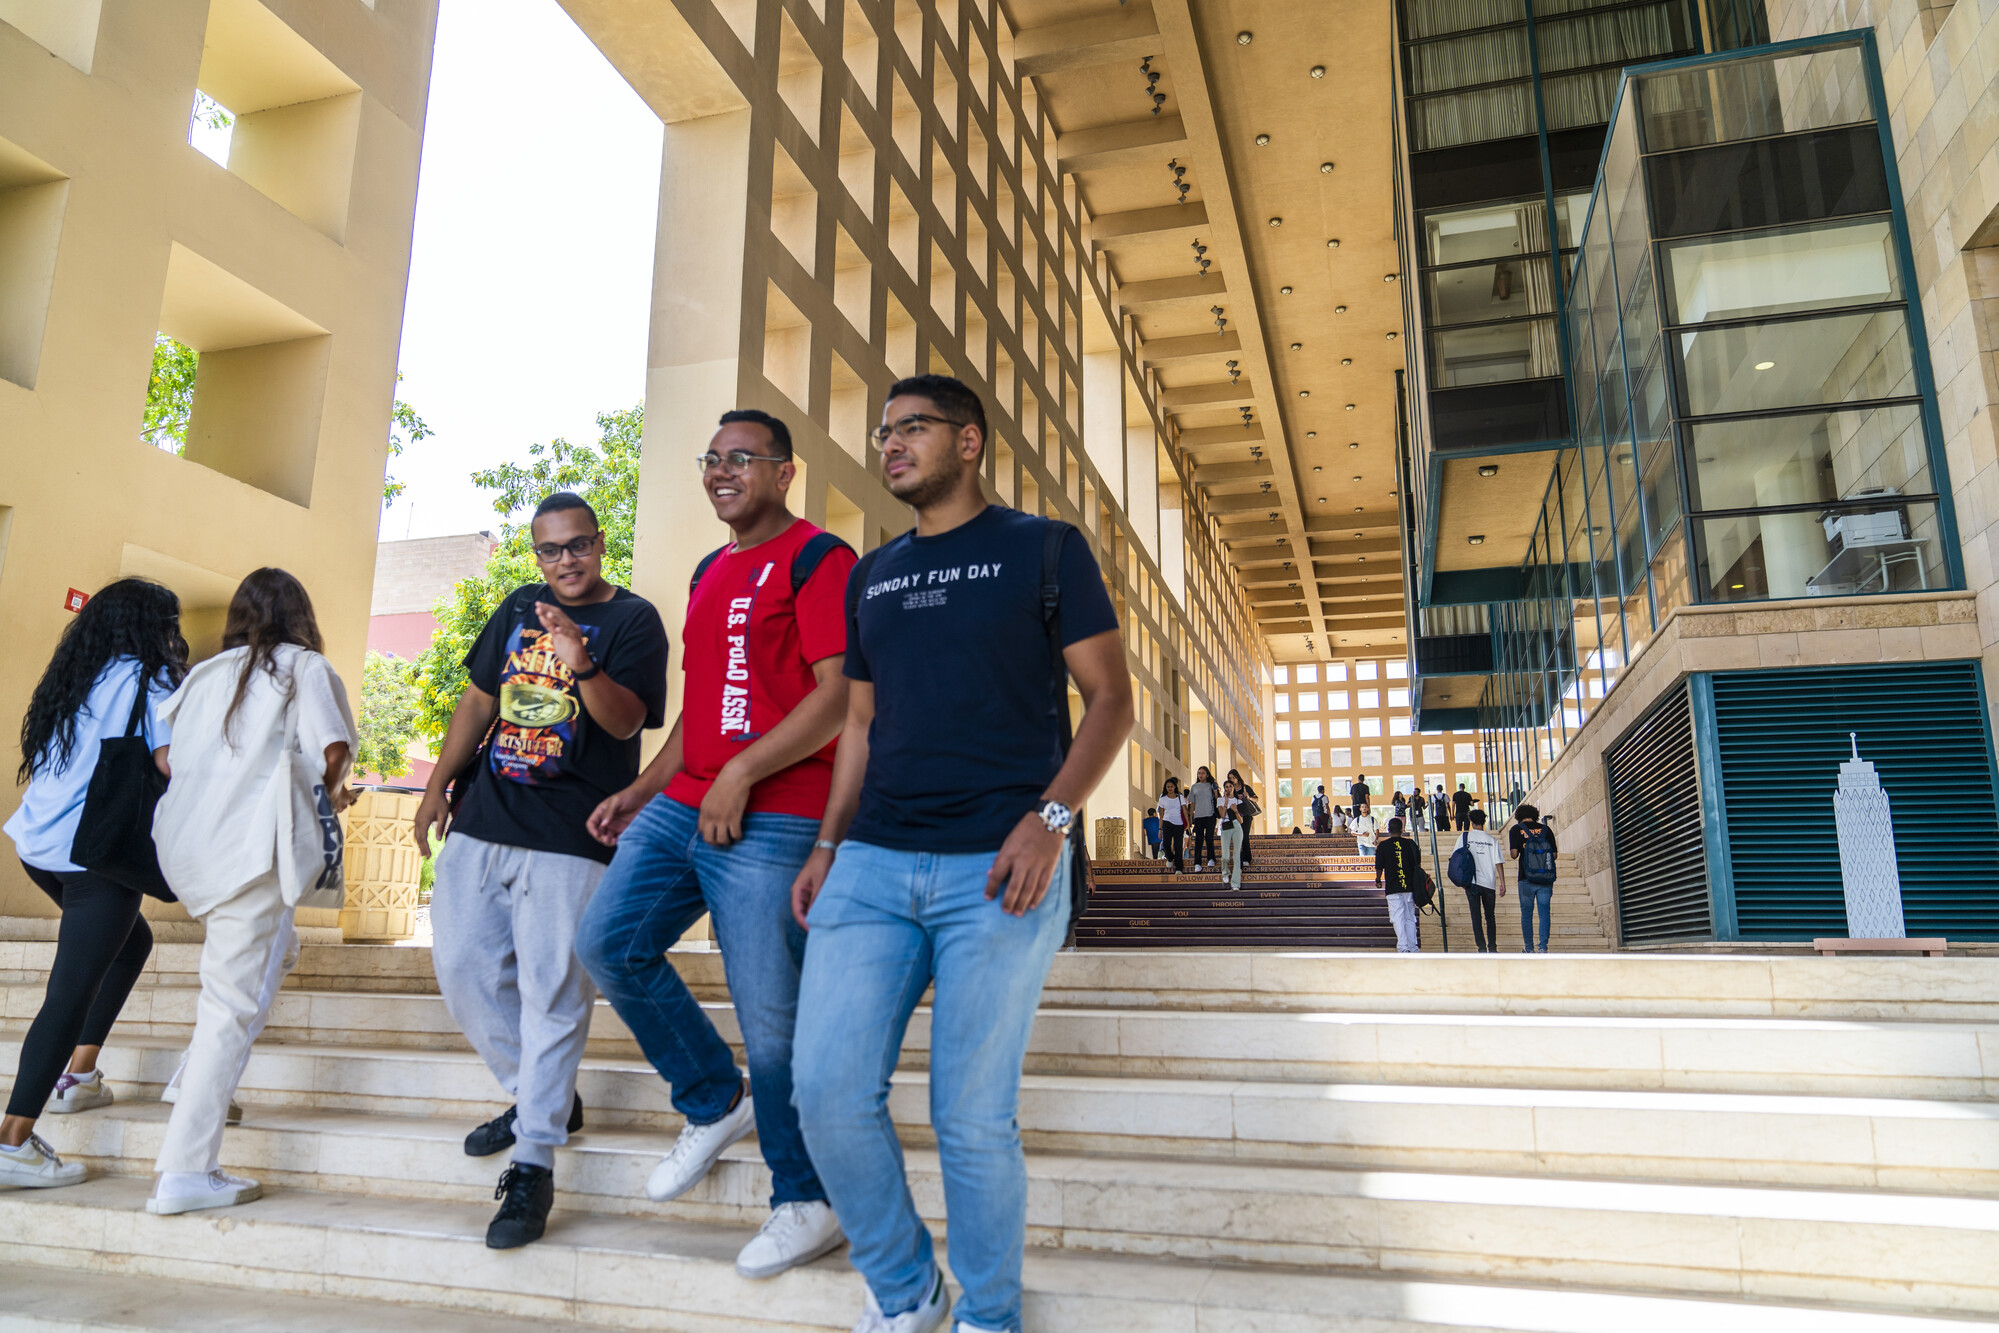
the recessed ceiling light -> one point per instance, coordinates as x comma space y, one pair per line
1735, 587
1284, 291
1393, 335
1318, 71
1349, 407
1333, 244
1354, 445
1262, 140
1339, 310
1244, 38
1325, 168
1277, 222
1361, 559
1304, 393
1322, 500
1765, 365
1356, 478
1357, 508
1346, 360
1311, 435
1476, 539
1388, 277
1489, 470
1318, 469
1297, 347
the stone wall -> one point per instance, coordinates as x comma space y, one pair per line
411, 575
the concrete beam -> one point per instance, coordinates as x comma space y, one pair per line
1323, 549
1193, 347
1167, 222
1223, 394
1255, 503
1132, 33
1194, 289
1128, 143
1210, 474
1208, 437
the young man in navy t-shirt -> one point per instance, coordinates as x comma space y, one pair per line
943, 857
720, 822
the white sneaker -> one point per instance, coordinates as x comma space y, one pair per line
931, 1313
171, 1094
695, 1151
34, 1165
186, 1191
794, 1234
79, 1092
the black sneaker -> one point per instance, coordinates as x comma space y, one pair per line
526, 1194
498, 1133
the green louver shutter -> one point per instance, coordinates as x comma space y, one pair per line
1782, 736
1655, 828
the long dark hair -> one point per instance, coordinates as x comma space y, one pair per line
129, 618
270, 609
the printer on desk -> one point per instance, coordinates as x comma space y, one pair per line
1866, 546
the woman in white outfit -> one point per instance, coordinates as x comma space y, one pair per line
218, 831
1230, 809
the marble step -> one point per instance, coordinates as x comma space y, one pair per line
1605, 1233
1784, 1056
1934, 1145
1959, 988
666, 1274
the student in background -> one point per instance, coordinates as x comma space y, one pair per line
1322, 815
1461, 804
217, 830
1364, 832
1173, 822
1205, 796
1532, 843
1490, 882
1231, 806
125, 645
1398, 869
1152, 833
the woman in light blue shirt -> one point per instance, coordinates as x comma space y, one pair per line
125, 638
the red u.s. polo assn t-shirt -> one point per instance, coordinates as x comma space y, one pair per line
748, 649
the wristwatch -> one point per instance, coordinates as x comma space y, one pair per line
594, 672
1055, 816
825, 845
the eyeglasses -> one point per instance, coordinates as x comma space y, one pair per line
910, 425
735, 461
550, 552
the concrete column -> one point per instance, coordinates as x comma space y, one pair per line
1141, 462
694, 365
1103, 420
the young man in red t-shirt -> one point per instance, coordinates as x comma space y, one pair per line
721, 822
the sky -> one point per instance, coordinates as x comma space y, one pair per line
531, 271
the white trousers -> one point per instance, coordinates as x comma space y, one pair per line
1402, 912
235, 959
1232, 855
284, 957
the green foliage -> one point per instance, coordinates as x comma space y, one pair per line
388, 715
209, 112
169, 395
405, 427
605, 474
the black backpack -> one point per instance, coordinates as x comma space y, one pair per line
1463, 869
817, 547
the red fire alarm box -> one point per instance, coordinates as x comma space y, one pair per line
73, 600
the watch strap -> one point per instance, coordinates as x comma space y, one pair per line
592, 674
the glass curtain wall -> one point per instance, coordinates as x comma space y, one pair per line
1507, 101
1754, 419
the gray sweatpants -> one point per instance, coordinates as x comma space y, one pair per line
503, 927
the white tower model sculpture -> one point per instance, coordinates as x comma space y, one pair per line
1867, 852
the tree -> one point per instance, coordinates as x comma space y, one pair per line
388, 715
605, 474
170, 404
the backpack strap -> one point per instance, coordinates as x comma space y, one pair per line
710, 559
1051, 621
803, 565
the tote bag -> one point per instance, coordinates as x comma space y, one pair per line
114, 836
311, 846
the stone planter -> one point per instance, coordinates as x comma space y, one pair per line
1110, 839
382, 866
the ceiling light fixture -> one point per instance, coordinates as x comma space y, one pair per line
1325, 168
1346, 360
1349, 407
1358, 508
1322, 500
1284, 291
1302, 393
1489, 470
1393, 335
1356, 478
1476, 539
1262, 141
1339, 310
1296, 347
1311, 435
1277, 222
1244, 38
1318, 71
1333, 244
1766, 365
1354, 445
1388, 277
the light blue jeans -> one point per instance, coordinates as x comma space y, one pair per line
661, 881
886, 925
1530, 894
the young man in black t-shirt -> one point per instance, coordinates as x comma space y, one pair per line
562, 679
1398, 869
944, 857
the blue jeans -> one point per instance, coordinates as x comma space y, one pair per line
1530, 894
886, 925
661, 881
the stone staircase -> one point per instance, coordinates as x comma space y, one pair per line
1297, 892
1576, 927
1290, 1142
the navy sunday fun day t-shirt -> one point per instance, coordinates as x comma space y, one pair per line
948, 629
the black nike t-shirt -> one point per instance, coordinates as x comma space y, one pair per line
948, 629
548, 762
